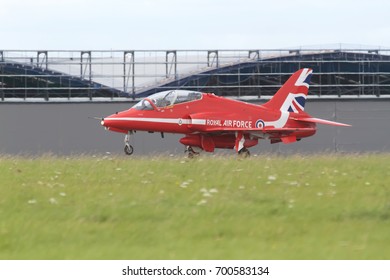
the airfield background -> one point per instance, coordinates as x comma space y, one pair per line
65, 129
48, 97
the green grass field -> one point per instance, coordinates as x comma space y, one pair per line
298, 207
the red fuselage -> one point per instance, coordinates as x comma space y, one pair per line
212, 122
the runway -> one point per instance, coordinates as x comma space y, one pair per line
66, 129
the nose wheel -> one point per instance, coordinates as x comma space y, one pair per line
128, 148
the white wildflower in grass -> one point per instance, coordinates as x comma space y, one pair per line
241, 187
110, 194
294, 183
206, 194
202, 202
186, 183
332, 184
161, 192
367, 183
40, 183
268, 182
203, 190
344, 174
272, 177
289, 174
307, 184
145, 182
62, 194
213, 191
52, 200
118, 169
319, 194
32, 201
182, 161
238, 170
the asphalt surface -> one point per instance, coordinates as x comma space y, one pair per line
67, 129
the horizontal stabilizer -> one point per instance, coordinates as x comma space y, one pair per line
321, 121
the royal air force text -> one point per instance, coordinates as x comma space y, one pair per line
230, 123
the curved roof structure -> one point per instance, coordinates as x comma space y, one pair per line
336, 73
240, 73
23, 81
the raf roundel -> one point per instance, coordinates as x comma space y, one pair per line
259, 124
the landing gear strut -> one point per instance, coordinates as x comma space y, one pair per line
128, 148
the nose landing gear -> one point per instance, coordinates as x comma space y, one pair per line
128, 148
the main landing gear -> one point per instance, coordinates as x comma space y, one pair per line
244, 152
128, 148
194, 152
191, 153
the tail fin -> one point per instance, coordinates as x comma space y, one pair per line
291, 96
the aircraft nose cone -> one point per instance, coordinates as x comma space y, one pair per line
102, 122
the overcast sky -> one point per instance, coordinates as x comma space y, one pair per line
192, 24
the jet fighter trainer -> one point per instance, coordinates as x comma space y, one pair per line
208, 121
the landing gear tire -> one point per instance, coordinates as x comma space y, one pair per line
190, 152
244, 153
128, 150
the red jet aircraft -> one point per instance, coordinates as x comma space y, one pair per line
209, 121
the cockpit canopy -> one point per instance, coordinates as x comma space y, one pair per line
167, 98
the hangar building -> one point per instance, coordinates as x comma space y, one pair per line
115, 75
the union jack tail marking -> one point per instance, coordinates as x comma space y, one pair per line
291, 97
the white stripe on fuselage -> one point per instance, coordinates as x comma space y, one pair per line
161, 120
279, 123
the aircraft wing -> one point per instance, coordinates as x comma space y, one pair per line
285, 135
251, 130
